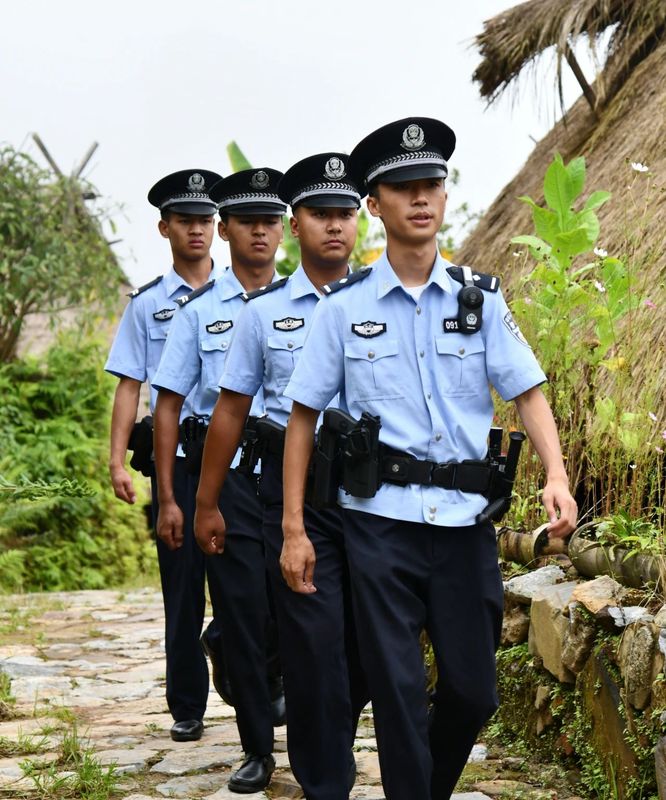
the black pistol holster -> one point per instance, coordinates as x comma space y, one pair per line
249, 447
270, 437
141, 443
193, 436
503, 474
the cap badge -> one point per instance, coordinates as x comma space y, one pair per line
334, 169
259, 180
413, 137
196, 182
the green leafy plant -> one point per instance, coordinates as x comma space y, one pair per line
636, 534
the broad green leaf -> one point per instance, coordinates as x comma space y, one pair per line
546, 223
538, 247
558, 190
596, 199
237, 158
576, 174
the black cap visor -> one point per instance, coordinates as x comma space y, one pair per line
196, 208
413, 172
255, 209
329, 201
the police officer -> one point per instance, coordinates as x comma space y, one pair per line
393, 341
251, 221
187, 221
324, 687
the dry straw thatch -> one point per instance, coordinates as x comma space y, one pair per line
628, 125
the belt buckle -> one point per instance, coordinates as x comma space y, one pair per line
444, 474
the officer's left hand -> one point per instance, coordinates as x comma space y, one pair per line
297, 562
170, 524
557, 498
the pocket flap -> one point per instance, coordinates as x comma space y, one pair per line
159, 331
459, 345
290, 341
371, 349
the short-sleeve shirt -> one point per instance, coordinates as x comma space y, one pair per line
143, 330
268, 341
392, 356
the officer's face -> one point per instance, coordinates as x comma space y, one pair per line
190, 236
252, 239
326, 235
412, 211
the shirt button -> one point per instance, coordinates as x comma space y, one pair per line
433, 509
429, 396
371, 353
462, 351
438, 437
421, 353
290, 345
225, 345
431, 517
418, 309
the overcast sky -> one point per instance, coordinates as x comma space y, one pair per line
166, 85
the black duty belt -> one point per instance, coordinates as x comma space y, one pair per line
466, 476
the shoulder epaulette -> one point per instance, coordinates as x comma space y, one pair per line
353, 277
490, 283
136, 292
270, 287
185, 299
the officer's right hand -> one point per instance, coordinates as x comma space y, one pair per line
122, 484
297, 561
209, 530
170, 524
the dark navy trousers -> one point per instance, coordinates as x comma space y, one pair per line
407, 577
325, 689
241, 625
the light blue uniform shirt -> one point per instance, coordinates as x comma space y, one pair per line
193, 358
268, 342
392, 356
142, 332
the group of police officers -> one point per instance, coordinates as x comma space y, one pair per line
318, 605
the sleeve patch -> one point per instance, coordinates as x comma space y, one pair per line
514, 330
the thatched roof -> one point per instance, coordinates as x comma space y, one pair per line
630, 128
516, 39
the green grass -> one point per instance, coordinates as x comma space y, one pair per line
24, 745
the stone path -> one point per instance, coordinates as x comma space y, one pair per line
87, 673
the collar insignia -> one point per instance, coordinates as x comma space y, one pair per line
368, 329
413, 138
220, 326
288, 323
164, 314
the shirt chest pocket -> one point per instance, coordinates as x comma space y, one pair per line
214, 348
372, 369
461, 365
284, 350
157, 335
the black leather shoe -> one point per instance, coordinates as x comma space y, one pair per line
187, 730
253, 775
220, 679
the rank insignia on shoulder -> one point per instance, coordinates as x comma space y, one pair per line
164, 314
368, 329
220, 326
270, 287
187, 298
490, 283
348, 280
136, 292
288, 323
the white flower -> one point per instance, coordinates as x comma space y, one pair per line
516, 254
652, 416
600, 252
638, 167
599, 286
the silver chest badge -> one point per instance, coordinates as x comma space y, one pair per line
259, 180
413, 137
288, 323
368, 329
164, 314
196, 182
220, 326
334, 169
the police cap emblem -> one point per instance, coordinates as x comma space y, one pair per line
164, 314
220, 326
288, 323
259, 180
196, 182
368, 329
334, 169
413, 137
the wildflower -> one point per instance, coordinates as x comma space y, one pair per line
649, 304
638, 167
516, 254
600, 252
632, 466
652, 416
599, 286
528, 301
659, 450
663, 435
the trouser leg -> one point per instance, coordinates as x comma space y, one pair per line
237, 584
464, 624
182, 578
